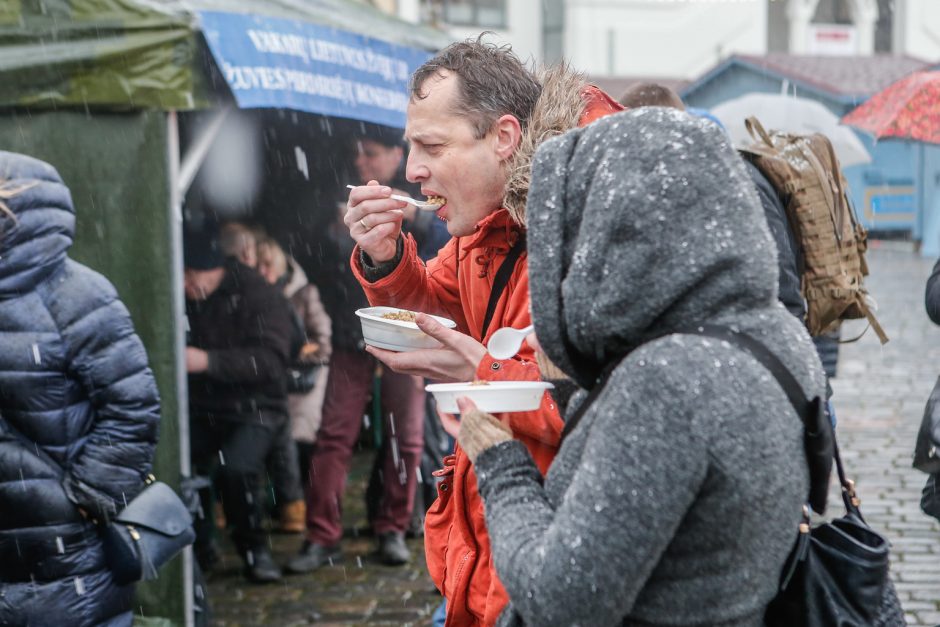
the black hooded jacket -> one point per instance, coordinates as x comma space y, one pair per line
932, 297
246, 328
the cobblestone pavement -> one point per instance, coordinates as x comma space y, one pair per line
879, 398
355, 591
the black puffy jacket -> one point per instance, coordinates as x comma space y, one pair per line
79, 411
932, 296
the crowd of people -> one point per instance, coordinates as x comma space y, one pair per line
622, 226
278, 381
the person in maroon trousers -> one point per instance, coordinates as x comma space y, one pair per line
347, 390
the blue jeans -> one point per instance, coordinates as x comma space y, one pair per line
437, 619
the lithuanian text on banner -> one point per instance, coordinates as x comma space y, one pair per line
273, 62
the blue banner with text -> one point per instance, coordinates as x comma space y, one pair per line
278, 63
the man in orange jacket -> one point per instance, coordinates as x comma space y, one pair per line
473, 121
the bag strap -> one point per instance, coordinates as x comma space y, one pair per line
849, 497
807, 409
572, 422
801, 405
501, 280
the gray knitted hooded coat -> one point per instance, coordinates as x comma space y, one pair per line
677, 497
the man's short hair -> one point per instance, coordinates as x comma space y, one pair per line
493, 82
650, 95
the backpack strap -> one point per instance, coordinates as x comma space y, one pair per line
841, 193
872, 322
756, 130
818, 437
501, 281
828, 193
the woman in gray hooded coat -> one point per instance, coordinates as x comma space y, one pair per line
676, 498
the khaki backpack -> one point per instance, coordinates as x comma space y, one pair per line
804, 171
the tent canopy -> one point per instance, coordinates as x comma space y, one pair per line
150, 54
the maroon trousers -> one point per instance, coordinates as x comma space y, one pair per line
347, 389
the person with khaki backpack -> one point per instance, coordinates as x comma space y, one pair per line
805, 172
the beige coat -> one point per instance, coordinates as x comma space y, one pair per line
306, 409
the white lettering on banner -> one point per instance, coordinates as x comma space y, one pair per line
364, 60
246, 78
279, 43
379, 97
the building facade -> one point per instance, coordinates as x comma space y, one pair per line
681, 39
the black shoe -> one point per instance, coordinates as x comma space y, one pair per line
312, 556
260, 566
392, 549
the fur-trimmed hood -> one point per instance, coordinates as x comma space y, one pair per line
567, 101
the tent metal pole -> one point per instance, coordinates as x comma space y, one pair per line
198, 151
179, 331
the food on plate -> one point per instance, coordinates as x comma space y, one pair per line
391, 328
479, 382
404, 316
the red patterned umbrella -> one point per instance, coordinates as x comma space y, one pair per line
907, 109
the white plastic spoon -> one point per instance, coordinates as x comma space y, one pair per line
505, 342
427, 206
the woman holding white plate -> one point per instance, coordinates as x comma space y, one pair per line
677, 492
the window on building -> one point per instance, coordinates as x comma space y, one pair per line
553, 30
486, 13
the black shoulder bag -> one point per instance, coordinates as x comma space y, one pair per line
301, 375
150, 530
146, 534
837, 572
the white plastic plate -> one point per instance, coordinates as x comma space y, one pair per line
494, 397
396, 335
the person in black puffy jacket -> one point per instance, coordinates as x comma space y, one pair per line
79, 412
932, 295
930, 498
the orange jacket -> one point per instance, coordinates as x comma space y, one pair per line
457, 284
